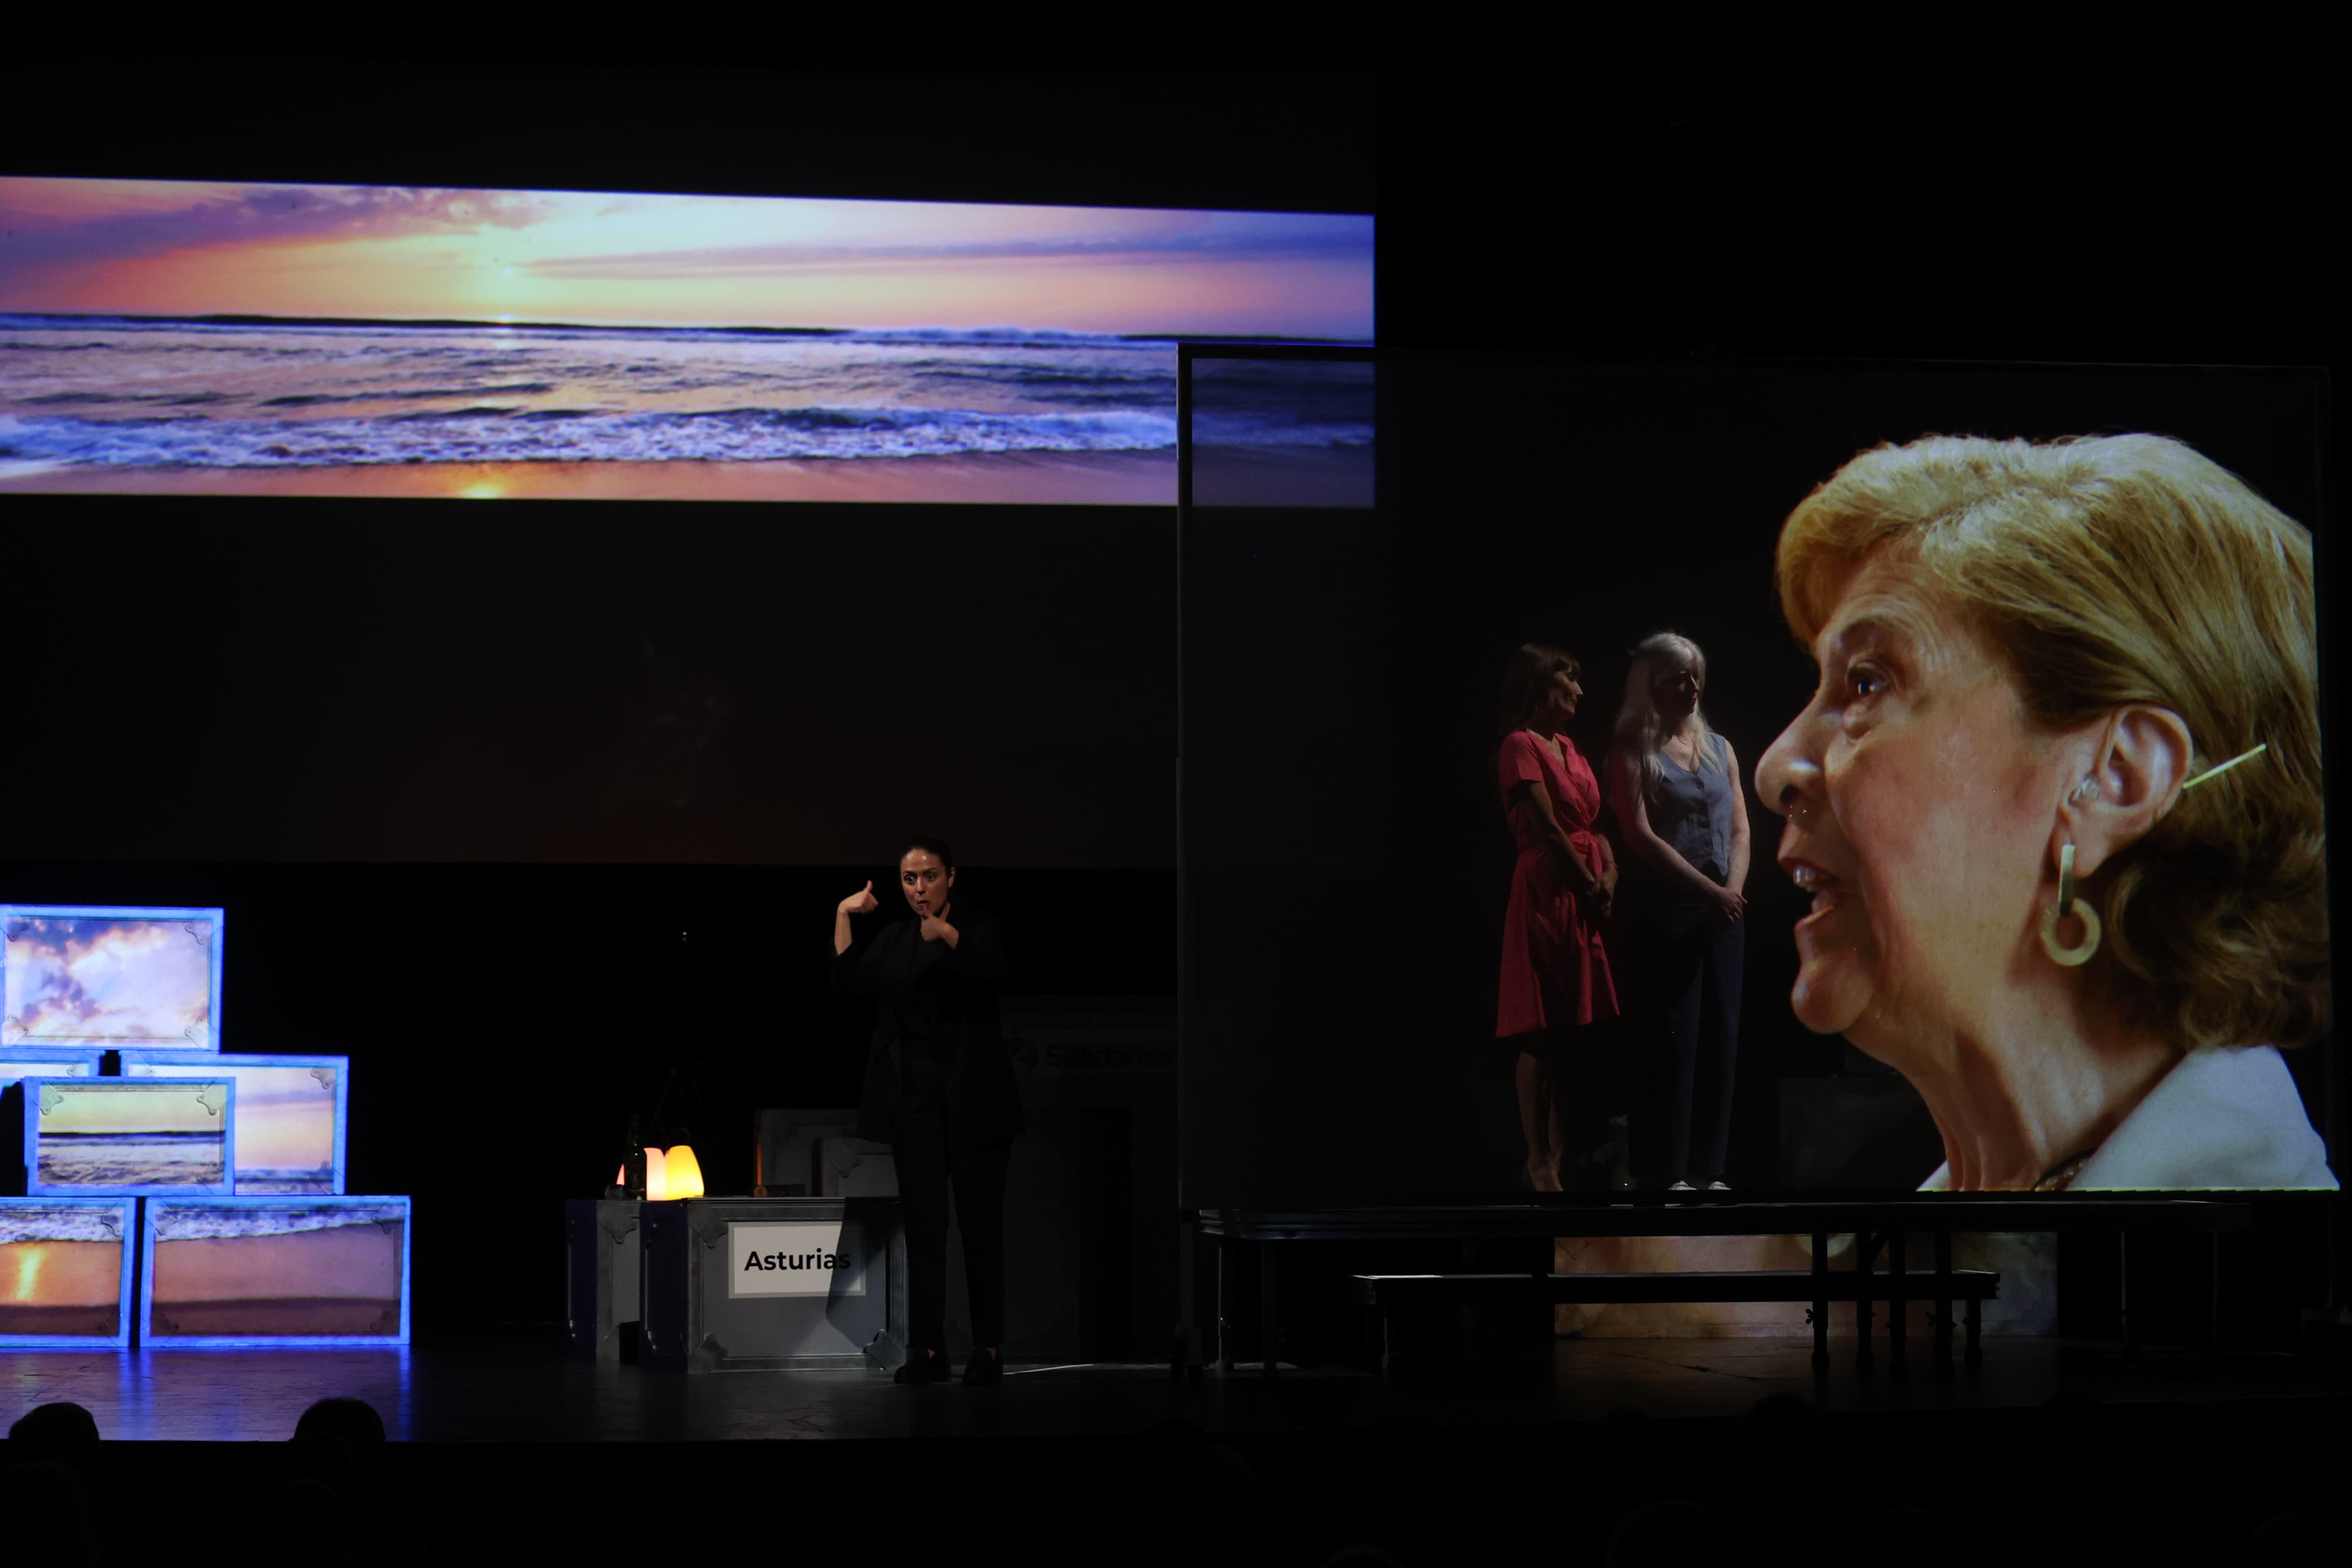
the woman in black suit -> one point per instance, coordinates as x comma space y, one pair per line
939, 1092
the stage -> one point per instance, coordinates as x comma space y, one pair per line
504, 1451
518, 1389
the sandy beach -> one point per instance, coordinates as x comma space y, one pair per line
1065, 478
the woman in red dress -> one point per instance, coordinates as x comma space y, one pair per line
1555, 972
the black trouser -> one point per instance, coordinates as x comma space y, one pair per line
1698, 992
926, 1172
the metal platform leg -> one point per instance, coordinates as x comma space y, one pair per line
1188, 1317
1899, 1309
1269, 1310
1866, 1253
1820, 1312
1224, 1306
1942, 1341
2123, 1288
2216, 1290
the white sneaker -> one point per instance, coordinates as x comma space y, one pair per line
1682, 1186
1717, 1187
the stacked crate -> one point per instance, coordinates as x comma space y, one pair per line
171, 1195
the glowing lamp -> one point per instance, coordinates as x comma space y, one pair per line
681, 1173
657, 1188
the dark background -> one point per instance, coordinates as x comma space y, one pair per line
393, 708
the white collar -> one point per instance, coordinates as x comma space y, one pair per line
2221, 1120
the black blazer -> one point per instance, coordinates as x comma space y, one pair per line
960, 983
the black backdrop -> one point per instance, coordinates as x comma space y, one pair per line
1651, 222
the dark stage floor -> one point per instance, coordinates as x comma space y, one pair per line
521, 1390
513, 1455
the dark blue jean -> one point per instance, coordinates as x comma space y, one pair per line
1699, 995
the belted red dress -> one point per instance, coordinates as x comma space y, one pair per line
1555, 969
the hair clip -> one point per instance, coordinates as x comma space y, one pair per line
2224, 768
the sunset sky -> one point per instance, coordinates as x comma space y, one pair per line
155, 247
285, 1115
112, 1105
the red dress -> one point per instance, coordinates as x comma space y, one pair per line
1555, 971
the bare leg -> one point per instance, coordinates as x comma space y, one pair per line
1538, 1108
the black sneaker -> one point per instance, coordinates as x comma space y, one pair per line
918, 1368
985, 1366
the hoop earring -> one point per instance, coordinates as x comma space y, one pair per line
2075, 957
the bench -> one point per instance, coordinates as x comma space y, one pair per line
1877, 1225
1387, 1294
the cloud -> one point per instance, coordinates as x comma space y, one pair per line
1308, 239
261, 215
108, 980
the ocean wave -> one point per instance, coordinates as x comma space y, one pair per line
204, 1221
405, 395
43, 1219
487, 434
507, 435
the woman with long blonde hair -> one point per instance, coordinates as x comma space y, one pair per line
1674, 785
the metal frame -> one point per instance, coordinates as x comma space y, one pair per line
268, 1342
10, 913
125, 1297
181, 1065
1868, 1214
1187, 355
1873, 1224
34, 1091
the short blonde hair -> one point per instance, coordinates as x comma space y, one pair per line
2131, 568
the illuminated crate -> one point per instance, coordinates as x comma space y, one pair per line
261, 1272
600, 1276
752, 1284
89, 1138
291, 1115
110, 978
65, 1272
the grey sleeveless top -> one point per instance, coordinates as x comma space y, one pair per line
1692, 812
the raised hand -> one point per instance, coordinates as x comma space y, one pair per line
863, 902
936, 929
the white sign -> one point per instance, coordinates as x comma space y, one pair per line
793, 1258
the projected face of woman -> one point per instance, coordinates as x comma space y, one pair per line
925, 881
1921, 809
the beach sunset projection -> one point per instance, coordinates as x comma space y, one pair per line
277, 1268
184, 338
119, 1134
285, 1115
61, 1270
106, 980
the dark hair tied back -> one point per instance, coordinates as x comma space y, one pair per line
1527, 684
936, 847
